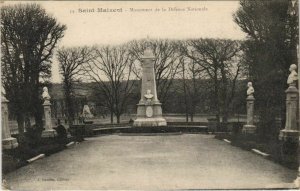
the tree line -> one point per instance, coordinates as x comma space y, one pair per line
29, 37
116, 71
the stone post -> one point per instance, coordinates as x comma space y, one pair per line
250, 128
49, 131
8, 142
290, 131
289, 136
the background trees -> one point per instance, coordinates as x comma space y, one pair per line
220, 61
192, 74
28, 38
112, 70
270, 48
71, 67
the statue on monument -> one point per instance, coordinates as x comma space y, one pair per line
148, 96
249, 127
86, 112
49, 131
250, 90
3, 93
45, 95
293, 77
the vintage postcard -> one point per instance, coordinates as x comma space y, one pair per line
150, 95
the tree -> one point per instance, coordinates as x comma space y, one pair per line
220, 60
71, 61
112, 70
166, 66
270, 48
28, 38
194, 74
185, 89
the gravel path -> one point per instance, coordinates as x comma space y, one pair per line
188, 161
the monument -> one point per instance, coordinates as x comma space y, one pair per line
49, 131
291, 131
149, 112
86, 112
250, 128
8, 142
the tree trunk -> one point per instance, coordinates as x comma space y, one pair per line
70, 106
111, 117
27, 121
118, 118
218, 121
38, 117
217, 104
192, 117
225, 117
20, 120
192, 111
35, 101
185, 96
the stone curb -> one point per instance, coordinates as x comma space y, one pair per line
147, 134
40, 156
70, 144
227, 141
260, 153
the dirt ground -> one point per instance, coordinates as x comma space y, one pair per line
188, 161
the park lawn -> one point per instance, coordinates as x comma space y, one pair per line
273, 147
16, 158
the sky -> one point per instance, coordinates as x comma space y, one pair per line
87, 23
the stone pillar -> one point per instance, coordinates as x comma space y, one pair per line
291, 131
48, 131
297, 181
8, 142
149, 112
250, 128
289, 136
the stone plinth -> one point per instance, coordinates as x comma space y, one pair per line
291, 132
297, 181
8, 142
149, 112
49, 131
250, 128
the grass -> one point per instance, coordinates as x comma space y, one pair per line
29, 147
280, 152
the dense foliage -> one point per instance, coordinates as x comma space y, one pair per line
28, 38
270, 49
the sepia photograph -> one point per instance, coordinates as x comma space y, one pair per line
150, 95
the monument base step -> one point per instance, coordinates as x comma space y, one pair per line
249, 129
289, 135
150, 122
9, 143
297, 181
49, 133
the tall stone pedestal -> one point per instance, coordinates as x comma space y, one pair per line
149, 115
8, 142
289, 136
49, 131
250, 128
297, 181
149, 112
291, 132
